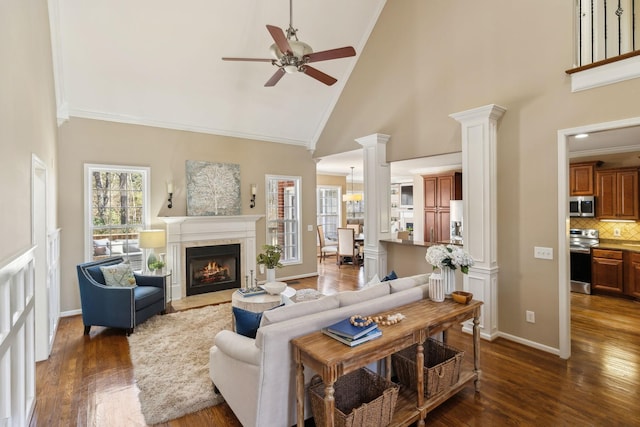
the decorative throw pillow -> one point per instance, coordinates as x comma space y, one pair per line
247, 322
390, 276
118, 275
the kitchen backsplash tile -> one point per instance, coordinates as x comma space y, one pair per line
628, 230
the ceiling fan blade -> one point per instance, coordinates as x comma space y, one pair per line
275, 78
318, 75
281, 40
248, 59
341, 52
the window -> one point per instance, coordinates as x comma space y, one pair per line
116, 209
328, 202
283, 216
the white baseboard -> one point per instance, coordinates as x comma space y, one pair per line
70, 313
529, 343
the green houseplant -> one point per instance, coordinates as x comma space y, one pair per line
269, 259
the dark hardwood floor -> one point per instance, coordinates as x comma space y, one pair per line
88, 381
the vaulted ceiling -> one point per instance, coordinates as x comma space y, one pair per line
158, 63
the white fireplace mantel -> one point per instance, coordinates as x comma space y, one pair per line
192, 231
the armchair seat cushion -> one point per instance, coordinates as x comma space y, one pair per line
145, 296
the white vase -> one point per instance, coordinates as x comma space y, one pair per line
436, 290
448, 280
271, 275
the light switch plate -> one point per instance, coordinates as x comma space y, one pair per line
542, 252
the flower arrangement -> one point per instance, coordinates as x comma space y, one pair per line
451, 256
270, 258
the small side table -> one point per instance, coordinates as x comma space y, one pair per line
262, 302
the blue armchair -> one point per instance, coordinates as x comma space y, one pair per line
118, 307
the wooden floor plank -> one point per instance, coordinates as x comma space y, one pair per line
88, 380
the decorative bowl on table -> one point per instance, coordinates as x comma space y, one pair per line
462, 297
274, 288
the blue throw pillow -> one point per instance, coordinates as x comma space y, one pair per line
390, 276
247, 322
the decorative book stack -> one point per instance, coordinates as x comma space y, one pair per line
351, 335
246, 292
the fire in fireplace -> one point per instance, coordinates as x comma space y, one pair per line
212, 268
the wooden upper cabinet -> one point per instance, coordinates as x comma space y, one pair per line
581, 178
617, 192
439, 190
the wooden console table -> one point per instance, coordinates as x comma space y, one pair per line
332, 359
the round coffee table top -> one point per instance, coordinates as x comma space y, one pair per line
261, 302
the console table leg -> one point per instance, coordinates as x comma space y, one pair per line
329, 404
476, 348
300, 391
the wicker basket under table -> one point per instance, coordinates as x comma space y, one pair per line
441, 367
362, 399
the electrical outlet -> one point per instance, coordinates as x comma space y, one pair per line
542, 253
616, 232
531, 316
309, 227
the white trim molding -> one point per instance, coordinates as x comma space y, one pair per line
607, 74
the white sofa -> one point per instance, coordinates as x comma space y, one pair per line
257, 376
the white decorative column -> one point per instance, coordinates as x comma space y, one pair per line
377, 202
479, 190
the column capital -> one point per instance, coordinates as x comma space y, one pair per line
376, 138
491, 111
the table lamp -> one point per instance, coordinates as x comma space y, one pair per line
151, 239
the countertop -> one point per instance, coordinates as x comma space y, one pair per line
624, 245
421, 243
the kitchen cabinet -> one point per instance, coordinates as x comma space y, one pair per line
617, 194
439, 190
632, 284
607, 271
582, 178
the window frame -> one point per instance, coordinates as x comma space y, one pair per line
89, 169
338, 215
296, 231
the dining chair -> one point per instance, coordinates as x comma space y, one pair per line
324, 247
356, 228
347, 247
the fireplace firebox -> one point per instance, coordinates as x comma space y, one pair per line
212, 268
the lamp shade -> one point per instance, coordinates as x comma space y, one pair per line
150, 239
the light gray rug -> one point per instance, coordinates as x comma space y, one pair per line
170, 357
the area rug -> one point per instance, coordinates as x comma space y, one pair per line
170, 357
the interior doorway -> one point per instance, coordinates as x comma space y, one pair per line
566, 148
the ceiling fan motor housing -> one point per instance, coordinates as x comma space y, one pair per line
299, 49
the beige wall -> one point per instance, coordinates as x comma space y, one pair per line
456, 55
165, 152
27, 119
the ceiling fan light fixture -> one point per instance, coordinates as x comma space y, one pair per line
290, 69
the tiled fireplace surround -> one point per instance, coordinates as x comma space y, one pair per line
194, 231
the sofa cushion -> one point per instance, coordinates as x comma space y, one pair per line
118, 275
304, 308
403, 283
370, 292
247, 322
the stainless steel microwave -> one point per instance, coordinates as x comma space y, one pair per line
584, 206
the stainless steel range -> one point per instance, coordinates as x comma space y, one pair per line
581, 240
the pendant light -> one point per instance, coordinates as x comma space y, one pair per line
352, 197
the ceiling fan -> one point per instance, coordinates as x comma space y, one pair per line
291, 55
